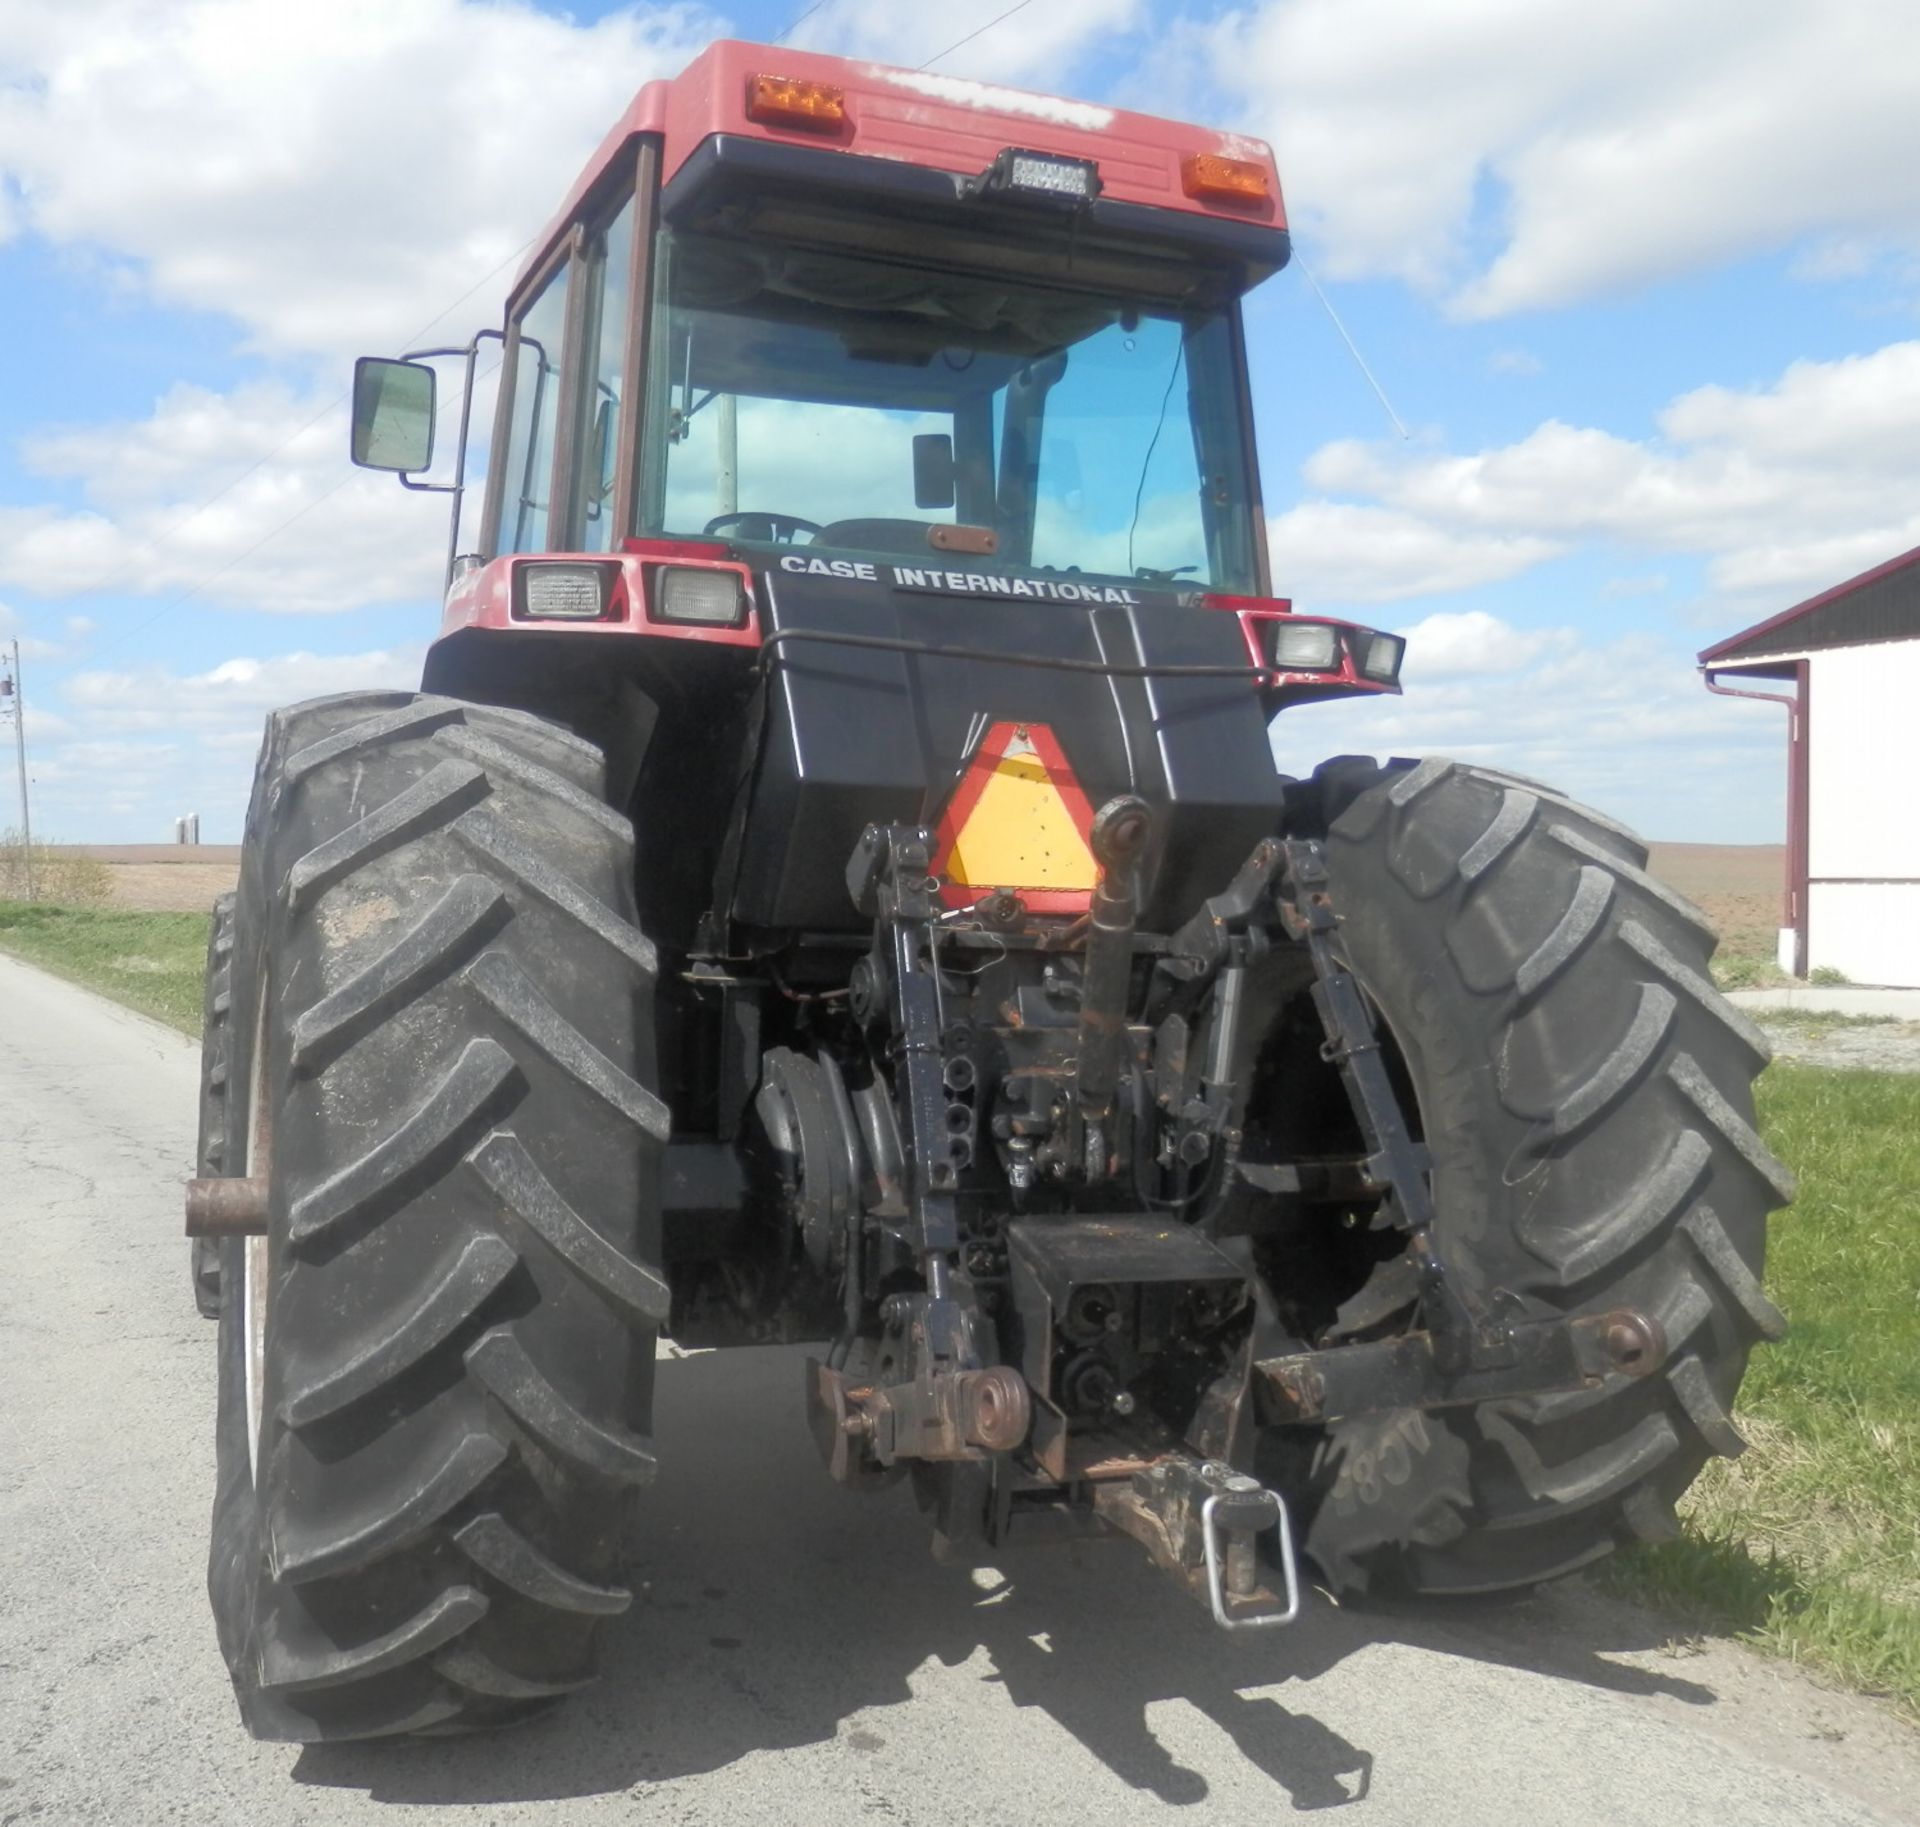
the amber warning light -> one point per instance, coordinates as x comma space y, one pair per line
784, 101
1209, 178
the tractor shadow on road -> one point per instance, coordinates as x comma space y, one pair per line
775, 1611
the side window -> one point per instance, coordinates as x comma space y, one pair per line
536, 412
610, 267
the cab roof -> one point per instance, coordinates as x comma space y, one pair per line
941, 123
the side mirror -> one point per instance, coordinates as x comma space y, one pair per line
599, 473
393, 414
933, 470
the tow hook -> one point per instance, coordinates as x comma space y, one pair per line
1231, 1524
1203, 1522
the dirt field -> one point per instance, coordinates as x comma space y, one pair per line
1737, 886
167, 878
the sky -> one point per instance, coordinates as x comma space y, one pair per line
1640, 284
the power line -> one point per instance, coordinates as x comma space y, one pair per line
293, 437
978, 31
1353, 348
802, 20
420, 333
267, 538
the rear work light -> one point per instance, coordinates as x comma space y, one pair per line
1305, 646
549, 592
1209, 178
1382, 656
713, 599
785, 101
1047, 177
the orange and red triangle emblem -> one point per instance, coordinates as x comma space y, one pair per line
1017, 820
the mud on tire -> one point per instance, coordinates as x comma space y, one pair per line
1586, 1094
441, 1024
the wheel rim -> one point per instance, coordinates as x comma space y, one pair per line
255, 1282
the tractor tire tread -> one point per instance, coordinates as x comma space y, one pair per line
1631, 1174
453, 1299
438, 799
474, 1090
500, 1362
459, 922
402, 1515
496, 1547
438, 1622
458, 996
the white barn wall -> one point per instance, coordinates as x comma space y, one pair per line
1863, 820
1866, 932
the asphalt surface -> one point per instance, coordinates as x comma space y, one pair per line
794, 1656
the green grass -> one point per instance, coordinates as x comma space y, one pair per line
1809, 1545
1822, 1019
1818, 1024
1748, 971
150, 961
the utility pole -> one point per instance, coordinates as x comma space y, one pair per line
20, 755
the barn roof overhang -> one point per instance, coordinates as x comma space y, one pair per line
1752, 669
1882, 604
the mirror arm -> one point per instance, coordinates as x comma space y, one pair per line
457, 488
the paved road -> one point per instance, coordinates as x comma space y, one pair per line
796, 1657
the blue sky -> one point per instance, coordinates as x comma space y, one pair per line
1640, 282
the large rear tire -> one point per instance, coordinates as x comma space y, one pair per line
436, 1368
1587, 1097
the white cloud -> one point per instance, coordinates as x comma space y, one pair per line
1615, 723
1330, 552
13, 628
1519, 362
1632, 141
1037, 46
179, 503
331, 175
1783, 487
137, 747
1472, 644
236, 692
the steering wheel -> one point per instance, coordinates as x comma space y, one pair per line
762, 529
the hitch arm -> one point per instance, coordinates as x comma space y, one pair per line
1462, 1338
1468, 1353
1408, 1372
887, 877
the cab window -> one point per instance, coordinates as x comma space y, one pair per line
537, 378
609, 266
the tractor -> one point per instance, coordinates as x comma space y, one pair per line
834, 887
